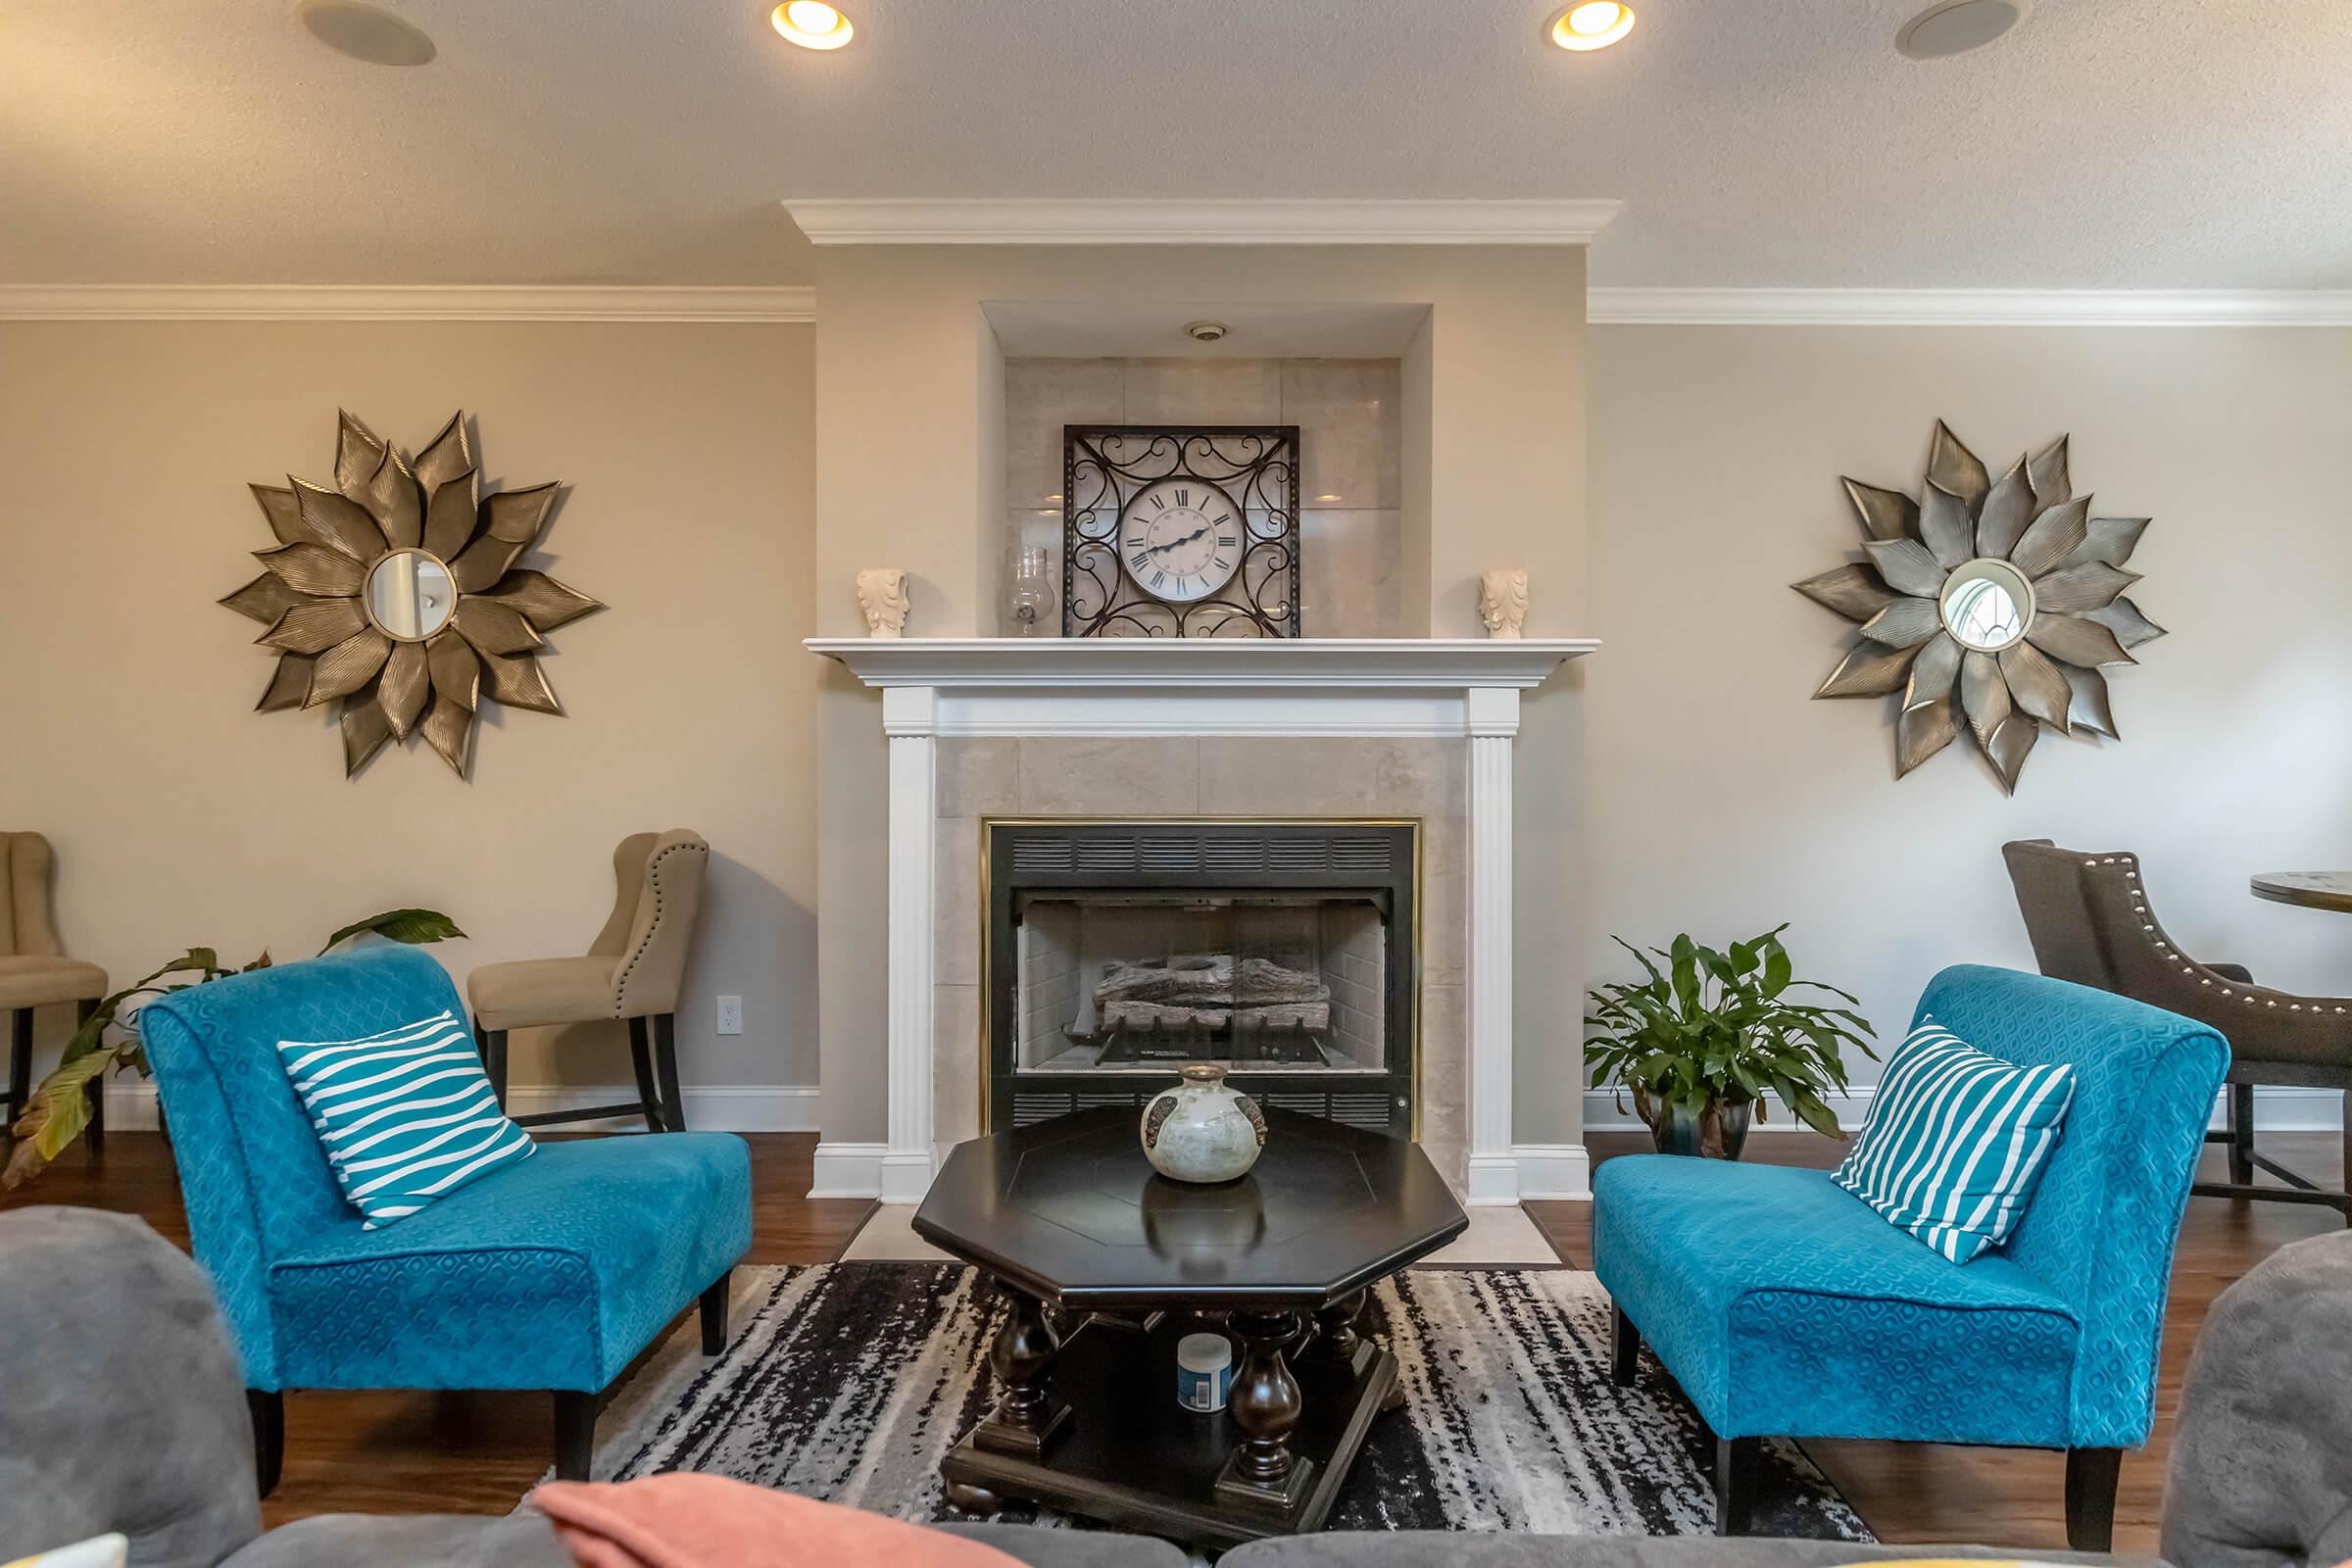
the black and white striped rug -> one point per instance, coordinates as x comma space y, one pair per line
848, 1382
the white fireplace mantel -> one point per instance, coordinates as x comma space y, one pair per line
956, 686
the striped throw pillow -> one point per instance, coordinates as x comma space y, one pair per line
405, 1116
1955, 1141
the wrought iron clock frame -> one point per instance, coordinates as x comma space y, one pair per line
1256, 466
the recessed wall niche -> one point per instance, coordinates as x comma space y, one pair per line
1349, 437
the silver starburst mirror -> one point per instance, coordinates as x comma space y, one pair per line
395, 594
1998, 599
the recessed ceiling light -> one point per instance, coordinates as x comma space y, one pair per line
1594, 24
1956, 26
363, 33
812, 24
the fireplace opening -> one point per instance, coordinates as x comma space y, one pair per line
1284, 951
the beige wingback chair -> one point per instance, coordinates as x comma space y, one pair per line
633, 970
34, 971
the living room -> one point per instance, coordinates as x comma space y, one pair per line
1102, 783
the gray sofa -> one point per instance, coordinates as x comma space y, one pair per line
122, 1410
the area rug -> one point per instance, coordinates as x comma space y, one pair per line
849, 1381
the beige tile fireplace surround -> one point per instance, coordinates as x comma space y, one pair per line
1313, 730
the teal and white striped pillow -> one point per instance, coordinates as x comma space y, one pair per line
405, 1116
1955, 1141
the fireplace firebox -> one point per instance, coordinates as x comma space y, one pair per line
1116, 952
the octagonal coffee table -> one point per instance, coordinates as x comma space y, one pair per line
1105, 1265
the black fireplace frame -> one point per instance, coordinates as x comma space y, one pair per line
1209, 857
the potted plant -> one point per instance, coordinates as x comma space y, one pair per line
59, 1110
1702, 1042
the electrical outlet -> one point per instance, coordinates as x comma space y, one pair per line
730, 1015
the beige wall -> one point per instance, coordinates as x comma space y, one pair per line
1723, 801
907, 434
127, 730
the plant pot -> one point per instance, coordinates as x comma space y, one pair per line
1718, 1133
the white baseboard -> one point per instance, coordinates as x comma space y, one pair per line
2276, 1110
710, 1108
1553, 1171
848, 1170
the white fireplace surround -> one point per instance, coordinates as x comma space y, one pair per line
989, 686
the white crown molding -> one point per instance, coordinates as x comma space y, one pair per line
970, 221
1966, 307
326, 302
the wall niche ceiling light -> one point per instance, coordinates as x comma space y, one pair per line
812, 24
1591, 24
395, 594
2000, 600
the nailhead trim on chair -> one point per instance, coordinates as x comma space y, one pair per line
620, 990
2139, 907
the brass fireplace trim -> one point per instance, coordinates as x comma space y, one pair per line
988, 825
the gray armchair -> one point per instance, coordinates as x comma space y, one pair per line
2089, 918
125, 1411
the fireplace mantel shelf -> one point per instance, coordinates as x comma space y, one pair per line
1197, 664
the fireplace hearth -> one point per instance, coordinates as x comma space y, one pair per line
1116, 952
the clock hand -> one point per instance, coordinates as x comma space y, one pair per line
1186, 540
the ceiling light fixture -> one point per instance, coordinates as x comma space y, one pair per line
364, 33
1205, 332
1594, 24
812, 24
1955, 26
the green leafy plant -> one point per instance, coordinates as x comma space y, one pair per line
59, 1108
1714, 1029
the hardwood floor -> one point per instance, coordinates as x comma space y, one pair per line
412, 1452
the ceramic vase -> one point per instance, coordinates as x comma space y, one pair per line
1202, 1130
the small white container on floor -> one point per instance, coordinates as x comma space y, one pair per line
1203, 1372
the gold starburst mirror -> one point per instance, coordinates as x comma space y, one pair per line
1998, 599
395, 594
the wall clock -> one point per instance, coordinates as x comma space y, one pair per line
1180, 531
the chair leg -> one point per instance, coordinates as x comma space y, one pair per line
20, 1062
267, 1408
715, 1314
576, 1434
2347, 1206
641, 1055
492, 1046
2241, 1134
1624, 1347
2090, 1479
666, 1059
94, 1138
1736, 1461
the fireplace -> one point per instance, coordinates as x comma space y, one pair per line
1116, 952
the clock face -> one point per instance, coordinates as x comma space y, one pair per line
1181, 539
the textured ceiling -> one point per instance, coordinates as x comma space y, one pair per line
2105, 144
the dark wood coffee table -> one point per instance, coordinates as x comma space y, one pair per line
1105, 1265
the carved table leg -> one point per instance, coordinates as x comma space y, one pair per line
1266, 1405
1337, 1339
1027, 1415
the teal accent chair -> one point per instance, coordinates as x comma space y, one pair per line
1785, 1307
552, 1273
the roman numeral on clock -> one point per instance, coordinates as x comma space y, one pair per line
1141, 559
1158, 578
1229, 540
1184, 498
1161, 502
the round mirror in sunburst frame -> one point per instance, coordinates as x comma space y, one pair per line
2000, 601
395, 594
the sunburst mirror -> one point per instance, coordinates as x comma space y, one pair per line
395, 594
2000, 601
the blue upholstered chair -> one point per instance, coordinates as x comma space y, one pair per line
552, 1273
1785, 1307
